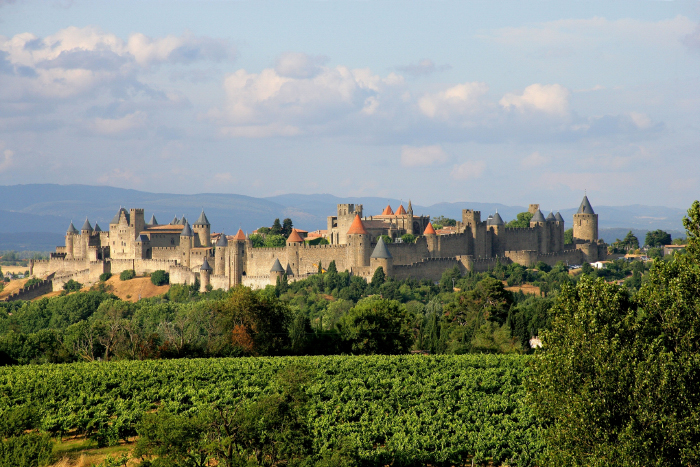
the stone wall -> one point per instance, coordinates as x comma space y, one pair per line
257, 282
408, 253
79, 276
182, 275
31, 292
147, 266
430, 268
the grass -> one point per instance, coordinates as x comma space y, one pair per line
82, 452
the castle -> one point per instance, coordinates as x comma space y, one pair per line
187, 253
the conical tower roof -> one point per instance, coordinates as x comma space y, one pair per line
401, 211
558, 217
497, 219
153, 220
175, 221
86, 225
202, 219
550, 217
388, 211
239, 235
72, 229
183, 221
538, 217
429, 229
357, 227
97, 228
277, 267
222, 241
205, 265
294, 237
381, 251
187, 230
585, 207
115, 219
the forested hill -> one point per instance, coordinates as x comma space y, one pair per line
48, 208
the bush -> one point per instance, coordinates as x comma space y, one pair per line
32, 281
160, 277
28, 450
127, 275
105, 276
72, 286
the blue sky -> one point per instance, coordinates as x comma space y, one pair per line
510, 102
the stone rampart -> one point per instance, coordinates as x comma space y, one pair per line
119, 265
31, 292
452, 245
429, 268
59, 280
165, 253
147, 266
257, 282
408, 253
181, 275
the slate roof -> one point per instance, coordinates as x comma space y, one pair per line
277, 267
153, 220
357, 227
550, 217
186, 231
558, 217
381, 251
175, 221
585, 207
429, 229
202, 220
86, 225
97, 228
222, 241
497, 219
538, 217
205, 265
115, 219
72, 229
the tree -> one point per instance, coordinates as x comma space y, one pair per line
287, 227
176, 439
72, 286
522, 221
160, 277
276, 228
408, 238
377, 326
275, 241
378, 278
257, 240
442, 221
616, 381
630, 242
127, 274
569, 236
332, 267
657, 238
386, 238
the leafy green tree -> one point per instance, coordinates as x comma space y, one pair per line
287, 227
275, 241
522, 221
442, 221
26, 450
569, 236
408, 238
276, 228
72, 286
176, 440
378, 278
657, 238
257, 240
332, 267
630, 242
105, 276
127, 274
160, 277
377, 326
387, 239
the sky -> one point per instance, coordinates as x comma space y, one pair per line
435, 101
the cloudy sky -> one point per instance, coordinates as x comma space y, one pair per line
511, 102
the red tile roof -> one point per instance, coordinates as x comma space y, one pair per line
295, 237
357, 227
387, 211
240, 235
429, 230
401, 211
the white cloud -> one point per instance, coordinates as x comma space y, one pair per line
111, 126
412, 156
642, 120
457, 100
534, 160
422, 68
468, 170
299, 65
548, 98
6, 157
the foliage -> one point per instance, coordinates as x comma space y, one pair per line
287, 226
175, 439
522, 221
275, 241
32, 282
27, 450
378, 278
657, 238
442, 221
72, 286
385, 410
160, 277
127, 274
276, 228
257, 240
387, 239
569, 236
376, 326
105, 276
616, 381
408, 238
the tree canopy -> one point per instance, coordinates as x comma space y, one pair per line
657, 238
522, 221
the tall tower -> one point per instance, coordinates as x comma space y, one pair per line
70, 240
204, 274
539, 222
237, 253
382, 258
359, 242
202, 229
220, 255
585, 223
186, 240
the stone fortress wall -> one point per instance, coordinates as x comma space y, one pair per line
186, 251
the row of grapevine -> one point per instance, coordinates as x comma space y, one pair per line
440, 410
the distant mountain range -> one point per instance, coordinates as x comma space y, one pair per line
32, 217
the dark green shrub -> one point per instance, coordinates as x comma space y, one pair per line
72, 286
30, 450
32, 281
160, 277
105, 276
16, 421
127, 275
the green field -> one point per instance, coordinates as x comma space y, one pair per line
441, 410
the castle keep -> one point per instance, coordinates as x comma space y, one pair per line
186, 251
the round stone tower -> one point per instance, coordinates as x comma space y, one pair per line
585, 223
359, 242
186, 240
202, 229
70, 238
220, 255
382, 258
204, 276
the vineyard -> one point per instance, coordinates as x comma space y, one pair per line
405, 410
